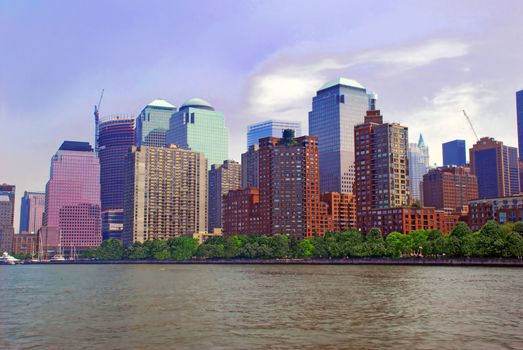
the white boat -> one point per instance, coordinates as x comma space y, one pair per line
7, 259
57, 257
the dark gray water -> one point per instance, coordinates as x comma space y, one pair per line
259, 307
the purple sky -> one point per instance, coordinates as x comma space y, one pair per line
253, 60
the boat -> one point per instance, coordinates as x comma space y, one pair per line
57, 257
7, 259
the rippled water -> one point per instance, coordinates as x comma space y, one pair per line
259, 307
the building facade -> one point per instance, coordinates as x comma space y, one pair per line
338, 106
270, 128
250, 172
197, 126
406, 220
24, 243
499, 209
418, 166
7, 215
152, 123
341, 209
116, 136
241, 212
519, 115
496, 168
450, 188
72, 200
382, 164
222, 179
454, 153
32, 211
289, 187
166, 194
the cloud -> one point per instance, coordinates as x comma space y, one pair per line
285, 84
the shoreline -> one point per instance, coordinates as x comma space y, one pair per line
487, 262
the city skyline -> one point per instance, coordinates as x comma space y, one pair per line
276, 77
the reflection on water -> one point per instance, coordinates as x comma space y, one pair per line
245, 306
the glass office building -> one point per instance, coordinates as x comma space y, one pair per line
418, 166
270, 128
152, 124
519, 113
198, 127
339, 105
115, 139
454, 153
32, 211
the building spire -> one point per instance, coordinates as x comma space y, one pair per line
421, 142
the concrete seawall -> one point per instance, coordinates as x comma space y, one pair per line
493, 262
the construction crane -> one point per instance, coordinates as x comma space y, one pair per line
470, 123
97, 120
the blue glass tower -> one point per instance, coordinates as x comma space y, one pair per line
519, 113
152, 124
270, 128
454, 153
339, 105
199, 127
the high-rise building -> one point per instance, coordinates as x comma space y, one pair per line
198, 127
166, 194
289, 187
450, 188
250, 173
338, 106
341, 209
270, 128
72, 200
418, 166
32, 211
519, 112
382, 165
454, 153
152, 124
496, 168
7, 215
241, 212
116, 136
382, 169
222, 179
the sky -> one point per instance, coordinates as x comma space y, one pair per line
252, 60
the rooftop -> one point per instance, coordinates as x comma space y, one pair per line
159, 102
78, 146
197, 103
344, 82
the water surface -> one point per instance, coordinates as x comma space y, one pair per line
260, 307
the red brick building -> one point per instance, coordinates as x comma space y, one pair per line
288, 201
341, 210
241, 212
406, 220
449, 188
500, 209
24, 243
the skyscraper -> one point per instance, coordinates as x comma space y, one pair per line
450, 188
222, 179
382, 169
382, 165
289, 187
338, 106
454, 153
115, 139
418, 166
166, 194
32, 211
270, 128
250, 172
72, 200
198, 127
519, 112
7, 212
496, 167
152, 124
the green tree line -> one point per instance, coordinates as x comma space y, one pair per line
493, 240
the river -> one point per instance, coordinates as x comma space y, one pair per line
260, 307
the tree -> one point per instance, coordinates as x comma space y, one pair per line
514, 247
183, 248
518, 227
137, 252
279, 246
305, 248
460, 230
490, 241
374, 245
396, 244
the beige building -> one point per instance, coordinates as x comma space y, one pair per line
165, 194
222, 179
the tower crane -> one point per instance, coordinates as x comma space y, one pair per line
470, 123
97, 120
